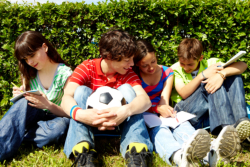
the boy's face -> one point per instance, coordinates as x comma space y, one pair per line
190, 65
122, 66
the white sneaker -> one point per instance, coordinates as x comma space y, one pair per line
196, 148
242, 127
225, 146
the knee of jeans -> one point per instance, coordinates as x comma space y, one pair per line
66, 120
55, 128
82, 92
21, 101
185, 133
237, 77
20, 106
163, 128
127, 92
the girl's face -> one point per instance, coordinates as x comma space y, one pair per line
148, 64
39, 59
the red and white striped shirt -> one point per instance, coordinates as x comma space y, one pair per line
89, 73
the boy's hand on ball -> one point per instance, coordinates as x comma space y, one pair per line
91, 118
115, 115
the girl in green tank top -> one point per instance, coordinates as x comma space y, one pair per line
41, 69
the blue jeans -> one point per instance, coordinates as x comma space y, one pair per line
133, 129
25, 123
224, 107
166, 140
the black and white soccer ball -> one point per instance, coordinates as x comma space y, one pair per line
105, 97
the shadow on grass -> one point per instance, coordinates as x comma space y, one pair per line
108, 149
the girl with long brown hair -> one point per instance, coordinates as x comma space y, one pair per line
36, 119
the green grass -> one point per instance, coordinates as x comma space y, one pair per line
108, 156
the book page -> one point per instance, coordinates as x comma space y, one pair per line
233, 59
181, 116
14, 99
151, 120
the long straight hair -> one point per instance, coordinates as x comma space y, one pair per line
27, 44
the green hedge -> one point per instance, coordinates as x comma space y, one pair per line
73, 28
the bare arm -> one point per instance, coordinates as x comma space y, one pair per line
139, 104
163, 108
87, 116
58, 110
42, 102
166, 92
236, 68
68, 100
186, 90
214, 80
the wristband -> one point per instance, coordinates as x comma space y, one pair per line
71, 111
203, 75
222, 75
74, 112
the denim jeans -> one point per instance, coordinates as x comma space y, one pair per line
166, 140
25, 123
224, 107
133, 129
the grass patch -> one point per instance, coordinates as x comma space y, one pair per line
108, 156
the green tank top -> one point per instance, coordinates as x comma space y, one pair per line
55, 91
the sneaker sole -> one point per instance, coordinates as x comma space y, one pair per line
243, 130
199, 147
229, 144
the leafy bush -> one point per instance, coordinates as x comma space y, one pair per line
75, 28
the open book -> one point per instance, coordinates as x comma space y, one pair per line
233, 59
152, 120
14, 99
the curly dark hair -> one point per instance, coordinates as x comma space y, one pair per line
117, 44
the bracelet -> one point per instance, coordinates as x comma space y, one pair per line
222, 75
203, 75
74, 113
71, 111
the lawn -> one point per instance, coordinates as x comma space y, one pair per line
108, 155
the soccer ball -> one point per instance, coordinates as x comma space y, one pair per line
105, 97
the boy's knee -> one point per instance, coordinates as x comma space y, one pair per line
127, 92
82, 92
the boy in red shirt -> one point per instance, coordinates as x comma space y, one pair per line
113, 69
